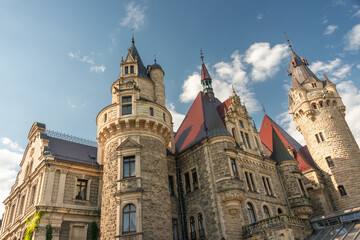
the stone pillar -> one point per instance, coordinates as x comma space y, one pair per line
60, 196
50, 175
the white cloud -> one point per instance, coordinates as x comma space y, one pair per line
9, 162
86, 59
259, 17
191, 87
330, 29
265, 60
97, 69
357, 14
135, 16
177, 117
339, 2
358, 66
73, 105
352, 39
350, 95
286, 121
13, 145
334, 69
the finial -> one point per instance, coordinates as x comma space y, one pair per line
287, 40
132, 39
233, 90
201, 56
263, 108
155, 58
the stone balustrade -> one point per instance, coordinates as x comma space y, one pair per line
276, 222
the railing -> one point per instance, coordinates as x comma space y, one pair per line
273, 223
70, 138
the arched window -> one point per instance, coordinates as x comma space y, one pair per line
280, 211
129, 218
192, 228
321, 104
201, 226
251, 212
266, 212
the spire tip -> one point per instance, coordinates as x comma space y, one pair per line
201, 56
287, 40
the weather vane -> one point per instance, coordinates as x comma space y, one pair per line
263, 108
287, 40
201, 55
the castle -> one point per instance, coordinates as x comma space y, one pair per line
217, 177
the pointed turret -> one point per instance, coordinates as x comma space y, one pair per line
327, 81
299, 70
206, 80
280, 152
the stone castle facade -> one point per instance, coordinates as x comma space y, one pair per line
217, 177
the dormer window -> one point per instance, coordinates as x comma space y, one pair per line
126, 70
313, 85
131, 69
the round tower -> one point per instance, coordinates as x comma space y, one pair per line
133, 133
319, 114
157, 75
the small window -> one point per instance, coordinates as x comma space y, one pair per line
192, 228
22, 205
251, 212
342, 190
175, 229
105, 117
126, 109
234, 168
129, 166
129, 218
266, 212
330, 162
187, 182
327, 102
131, 69
321, 137
126, 70
314, 106
321, 104
300, 95
267, 186
126, 99
33, 194
171, 185
81, 188
247, 140
151, 111
242, 137
280, 211
195, 179
241, 123
317, 138
164, 118
313, 85
250, 181
302, 189
201, 226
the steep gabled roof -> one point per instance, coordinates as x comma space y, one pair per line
202, 121
141, 68
204, 72
279, 152
301, 153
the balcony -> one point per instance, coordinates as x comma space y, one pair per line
274, 223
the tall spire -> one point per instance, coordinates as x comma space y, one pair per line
205, 76
132, 39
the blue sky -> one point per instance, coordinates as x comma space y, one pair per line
58, 59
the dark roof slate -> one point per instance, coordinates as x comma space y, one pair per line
280, 152
141, 68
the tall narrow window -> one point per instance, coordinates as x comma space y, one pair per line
105, 117
267, 186
317, 138
32, 198
280, 211
195, 179
129, 218
126, 70
129, 166
241, 123
201, 226
302, 189
187, 182
234, 168
171, 185
127, 106
330, 162
247, 140
164, 118
266, 212
175, 229
250, 181
81, 187
242, 137
22, 203
192, 228
251, 213
342, 190
131, 69
321, 136
151, 111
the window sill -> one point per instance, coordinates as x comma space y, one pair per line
80, 201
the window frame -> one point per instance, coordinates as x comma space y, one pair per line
151, 111
330, 162
201, 227
249, 178
129, 230
251, 212
193, 235
126, 105
234, 168
131, 160
78, 193
267, 213
342, 190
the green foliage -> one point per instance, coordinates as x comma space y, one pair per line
32, 223
94, 231
48, 232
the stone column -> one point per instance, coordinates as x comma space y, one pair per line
60, 196
50, 175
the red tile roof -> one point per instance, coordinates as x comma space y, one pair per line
204, 72
301, 153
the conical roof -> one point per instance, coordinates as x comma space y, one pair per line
204, 72
327, 81
280, 152
135, 54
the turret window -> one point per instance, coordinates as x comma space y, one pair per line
251, 212
314, 105
129, 166
250, 181
131, 69
129, 218
342, 190
151, 111
126, 70
313, 85
127, 106
319, 137
330, 162
234, 168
